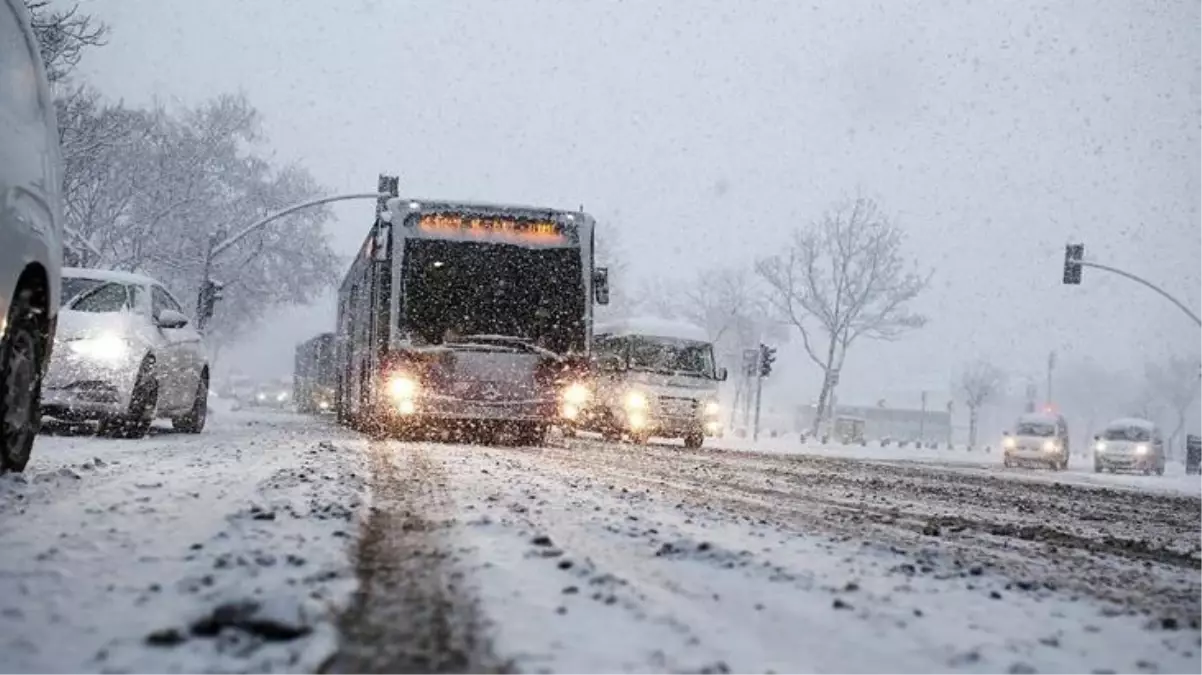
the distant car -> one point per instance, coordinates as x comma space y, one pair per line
1038, 438
274, 394
126, 354
31, 226
1129, 444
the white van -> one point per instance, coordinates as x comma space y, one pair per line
1129, 444
652, 377
1038, 438
31, 232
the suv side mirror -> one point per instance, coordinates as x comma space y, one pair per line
601, 285
169, 318
722, 374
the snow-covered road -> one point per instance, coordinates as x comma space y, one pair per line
580, 556
179, 553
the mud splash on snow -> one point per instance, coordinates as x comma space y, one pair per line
412, 613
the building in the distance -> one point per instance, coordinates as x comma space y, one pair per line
899, 424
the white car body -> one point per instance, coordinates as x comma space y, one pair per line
676, 404
1129, 444
1037, 438
99, 354
31, 230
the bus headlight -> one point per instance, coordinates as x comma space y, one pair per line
402, 388
324, 405
712, 408
576, 395
636, 400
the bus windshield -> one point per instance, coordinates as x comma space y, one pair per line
455, 289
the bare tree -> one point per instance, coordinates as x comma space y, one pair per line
979, 383
840, 279
63, 35
1174, 384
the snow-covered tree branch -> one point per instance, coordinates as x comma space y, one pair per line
842, 278
979, 383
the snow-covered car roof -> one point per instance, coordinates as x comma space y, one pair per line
1129, 422
1038, 418
654, 327
108, 275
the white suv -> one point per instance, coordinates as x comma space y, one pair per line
31, 223
125, 355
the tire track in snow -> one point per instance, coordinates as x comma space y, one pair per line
412, 612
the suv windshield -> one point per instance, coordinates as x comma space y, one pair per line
671, 356
1137, 434
1035, 429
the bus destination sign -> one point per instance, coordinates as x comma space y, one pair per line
492, 227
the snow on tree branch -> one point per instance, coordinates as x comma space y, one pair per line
979, 383
842, 278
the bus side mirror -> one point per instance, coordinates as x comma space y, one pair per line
722, 374
601, 285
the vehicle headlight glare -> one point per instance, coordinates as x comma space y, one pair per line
1049, 446
1100, 446
576, 394
1008, 442
105, 347
636, 400
401, 387
1141, 449
712, 408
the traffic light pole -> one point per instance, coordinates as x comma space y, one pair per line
759, 386
1147, 283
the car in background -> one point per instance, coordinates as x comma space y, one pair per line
273, 394
125, 355
1038, 438
1129, 444
31, 231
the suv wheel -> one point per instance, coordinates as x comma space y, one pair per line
21, 358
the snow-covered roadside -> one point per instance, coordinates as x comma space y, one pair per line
585, 570
225, 551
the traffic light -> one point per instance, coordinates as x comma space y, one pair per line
1073, 255
767, 356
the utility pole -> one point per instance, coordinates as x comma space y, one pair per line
922, 421
750, 366
1051, 367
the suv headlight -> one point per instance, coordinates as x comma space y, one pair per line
636, 400
104, 347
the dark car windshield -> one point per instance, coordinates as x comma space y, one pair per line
102, 297
73, 287
1136, 434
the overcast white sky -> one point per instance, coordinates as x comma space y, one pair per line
703, 131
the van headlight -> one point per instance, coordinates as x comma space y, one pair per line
712, 408
1008, 442
636, 400
104, 347
1141, 449
1100, 446
1050, 446
576, 394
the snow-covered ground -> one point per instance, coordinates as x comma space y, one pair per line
179, 553
273, 542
